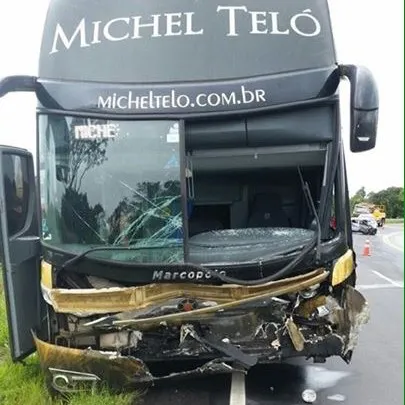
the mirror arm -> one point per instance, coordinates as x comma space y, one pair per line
363, 87
348, 72
17, 83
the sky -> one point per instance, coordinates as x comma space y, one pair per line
366, 33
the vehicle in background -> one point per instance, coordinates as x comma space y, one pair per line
377, 211
364, 225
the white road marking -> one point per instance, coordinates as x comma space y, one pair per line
337, 397
377, 286
387, 240
238, 394
396, 283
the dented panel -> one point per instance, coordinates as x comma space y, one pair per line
217, 325
119, 371
357, 312
108, 300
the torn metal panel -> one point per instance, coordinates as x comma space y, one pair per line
344, 321
223, 347
115, 334
110, 300
357, 311
119, 371
202, 313
295, 334
261, 331
239, 325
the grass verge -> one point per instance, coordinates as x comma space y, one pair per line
394, 221
24, 383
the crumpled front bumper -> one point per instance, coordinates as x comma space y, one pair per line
235, 341
71, 370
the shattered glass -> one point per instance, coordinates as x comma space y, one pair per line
112, 183
246, 245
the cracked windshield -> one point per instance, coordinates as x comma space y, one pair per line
100, 187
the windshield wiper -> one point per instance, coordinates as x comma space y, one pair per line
311, 206
80, 256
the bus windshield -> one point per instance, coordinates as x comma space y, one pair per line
114, 183
117, 183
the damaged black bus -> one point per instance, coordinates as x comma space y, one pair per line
190, 203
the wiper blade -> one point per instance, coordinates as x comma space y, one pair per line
311, 206
80, 256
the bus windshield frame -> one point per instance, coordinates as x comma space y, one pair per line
141, 252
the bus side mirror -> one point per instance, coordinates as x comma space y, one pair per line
17, 83
364, 104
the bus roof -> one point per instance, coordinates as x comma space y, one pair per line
153, 41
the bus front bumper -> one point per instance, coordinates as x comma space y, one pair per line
242, 335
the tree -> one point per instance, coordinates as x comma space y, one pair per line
80, 221
358, 198
84, 155
393, 200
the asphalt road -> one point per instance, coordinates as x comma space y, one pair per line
374, 377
